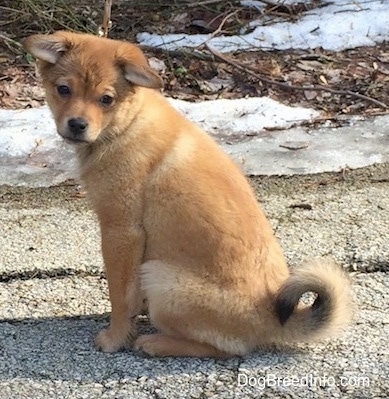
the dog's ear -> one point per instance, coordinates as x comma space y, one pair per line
47, 48
141, 75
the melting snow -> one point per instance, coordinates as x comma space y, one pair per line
341, 24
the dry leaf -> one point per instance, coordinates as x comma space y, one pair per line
323, 80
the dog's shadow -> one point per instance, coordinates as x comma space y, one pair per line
62, 348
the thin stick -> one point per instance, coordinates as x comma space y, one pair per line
107, 23
219, 28
179, 53
255, 73
202, 3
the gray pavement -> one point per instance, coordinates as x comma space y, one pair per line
53, 300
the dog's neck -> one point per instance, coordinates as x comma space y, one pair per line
92, 155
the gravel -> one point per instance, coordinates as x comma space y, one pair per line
53, 300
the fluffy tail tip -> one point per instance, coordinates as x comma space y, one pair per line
331, 310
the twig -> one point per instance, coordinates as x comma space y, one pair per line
220, 27
107, 23
255, 73
202, 3
11, 44
180, 53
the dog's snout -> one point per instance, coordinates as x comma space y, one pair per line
77, 126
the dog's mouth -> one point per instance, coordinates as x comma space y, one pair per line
75, 141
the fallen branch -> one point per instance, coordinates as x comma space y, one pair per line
220, 27
192, 4
222, 23
179, 53
256, 73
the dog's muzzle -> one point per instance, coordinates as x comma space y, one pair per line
77, 129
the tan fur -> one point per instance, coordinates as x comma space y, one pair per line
179, 222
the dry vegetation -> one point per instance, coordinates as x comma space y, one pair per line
342, 83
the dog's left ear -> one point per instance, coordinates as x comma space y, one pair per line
141, 75
47, 48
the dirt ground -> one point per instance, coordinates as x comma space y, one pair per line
197, 74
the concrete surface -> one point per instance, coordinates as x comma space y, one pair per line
53, 300
313, 150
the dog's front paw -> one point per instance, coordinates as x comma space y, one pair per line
108, 340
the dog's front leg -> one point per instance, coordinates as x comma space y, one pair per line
123, 252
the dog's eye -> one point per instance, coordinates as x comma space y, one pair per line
63, 90
106, 100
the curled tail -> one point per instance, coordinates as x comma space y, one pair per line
330, 311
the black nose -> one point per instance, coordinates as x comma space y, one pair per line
77, 126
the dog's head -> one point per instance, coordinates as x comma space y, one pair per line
88, 80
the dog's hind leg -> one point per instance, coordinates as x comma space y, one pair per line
166, 345
195, 317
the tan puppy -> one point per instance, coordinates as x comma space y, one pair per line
179, 222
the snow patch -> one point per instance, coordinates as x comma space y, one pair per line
25, 131
241, 116
342, 24
32, 131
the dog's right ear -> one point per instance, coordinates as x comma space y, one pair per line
47, 48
